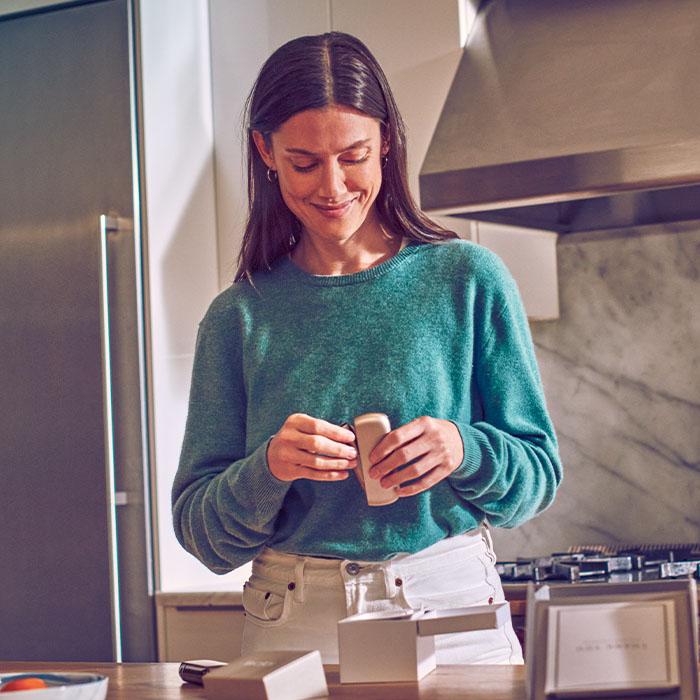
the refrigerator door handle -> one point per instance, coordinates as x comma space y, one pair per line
109, 224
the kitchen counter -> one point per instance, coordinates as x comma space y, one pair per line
160, 681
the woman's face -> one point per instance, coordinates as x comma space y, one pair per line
328, 163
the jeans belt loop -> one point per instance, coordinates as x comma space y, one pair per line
299, 580
389, 581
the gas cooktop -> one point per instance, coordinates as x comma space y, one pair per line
607, 564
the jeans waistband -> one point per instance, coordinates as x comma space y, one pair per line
285, 567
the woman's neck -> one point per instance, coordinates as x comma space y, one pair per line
344, 257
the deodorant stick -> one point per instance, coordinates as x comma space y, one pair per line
369, 429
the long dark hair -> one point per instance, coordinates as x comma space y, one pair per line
313, 72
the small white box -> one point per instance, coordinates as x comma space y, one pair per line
390, 646
269, 675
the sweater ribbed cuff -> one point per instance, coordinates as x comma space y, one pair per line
472, 451
260, 485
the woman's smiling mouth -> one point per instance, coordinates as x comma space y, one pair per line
334, 211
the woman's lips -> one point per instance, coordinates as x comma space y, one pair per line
334, 211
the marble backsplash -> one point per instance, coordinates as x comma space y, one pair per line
621, 372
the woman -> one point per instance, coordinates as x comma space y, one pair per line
348, 300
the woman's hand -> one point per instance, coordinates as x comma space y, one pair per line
432, 446
311, 448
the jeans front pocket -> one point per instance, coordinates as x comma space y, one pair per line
265, 606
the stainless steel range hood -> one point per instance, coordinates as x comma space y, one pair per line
572, 115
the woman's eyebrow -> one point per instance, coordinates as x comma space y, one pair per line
303, 152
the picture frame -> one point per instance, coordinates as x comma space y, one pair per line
613, 640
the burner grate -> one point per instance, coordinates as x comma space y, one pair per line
613, 563
679, 551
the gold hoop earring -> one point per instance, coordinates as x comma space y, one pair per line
271, 175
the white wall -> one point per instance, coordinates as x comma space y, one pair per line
180, 222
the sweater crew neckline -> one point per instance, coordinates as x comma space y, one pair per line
289, 268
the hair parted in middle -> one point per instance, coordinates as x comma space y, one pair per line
315, 72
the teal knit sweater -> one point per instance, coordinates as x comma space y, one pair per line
437, 330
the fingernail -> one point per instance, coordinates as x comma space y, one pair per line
373, 473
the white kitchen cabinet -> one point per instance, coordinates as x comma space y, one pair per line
529, 255
206, 625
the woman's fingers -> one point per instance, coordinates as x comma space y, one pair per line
417, 455
428, 480
318, 445
311, 448
301, 472
412, 458
309, 425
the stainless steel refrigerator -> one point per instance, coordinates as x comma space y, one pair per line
75, 542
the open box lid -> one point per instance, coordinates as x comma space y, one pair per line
430, 622
478, 617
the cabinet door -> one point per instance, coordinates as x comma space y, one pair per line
200, 632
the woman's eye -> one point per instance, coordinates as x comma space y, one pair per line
355, 161
306, 168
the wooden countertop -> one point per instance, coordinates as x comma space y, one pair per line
160, 681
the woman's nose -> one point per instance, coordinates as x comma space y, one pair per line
332, 181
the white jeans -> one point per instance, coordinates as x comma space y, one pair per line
295, 602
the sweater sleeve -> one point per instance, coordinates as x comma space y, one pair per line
511, 467
225, 502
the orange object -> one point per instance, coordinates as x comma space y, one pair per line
23, 684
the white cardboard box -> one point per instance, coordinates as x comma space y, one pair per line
269, 675
390, 646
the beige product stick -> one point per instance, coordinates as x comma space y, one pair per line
370, 428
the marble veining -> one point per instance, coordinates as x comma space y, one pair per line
621, 372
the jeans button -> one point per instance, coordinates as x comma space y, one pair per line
352, 568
